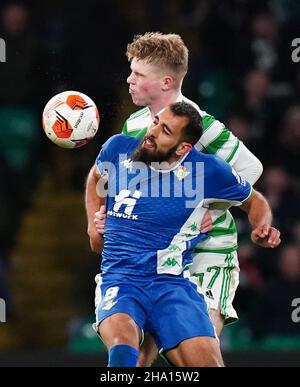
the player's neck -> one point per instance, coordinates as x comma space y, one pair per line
165, 100
175, 160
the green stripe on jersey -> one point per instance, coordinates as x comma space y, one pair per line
139, 133
137, 124
225, 250
220, 231
230, 157
217, 139
138, 113
226, 283
124, 129
222, 238
218, 142
220, 219
207, 121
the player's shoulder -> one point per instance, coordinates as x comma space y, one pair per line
212, 162
120, 142
211, 124
187, 100
138, 120
208, 120
139, 113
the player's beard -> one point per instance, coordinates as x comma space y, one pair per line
143, 155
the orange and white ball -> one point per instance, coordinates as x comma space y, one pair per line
70, 119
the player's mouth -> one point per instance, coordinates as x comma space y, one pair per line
149, 143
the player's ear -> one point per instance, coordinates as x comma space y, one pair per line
167, 83
184, 148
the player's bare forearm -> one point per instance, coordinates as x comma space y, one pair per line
92, 200
258, 210
92, 204
260, 218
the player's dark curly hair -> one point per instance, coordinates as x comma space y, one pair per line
192, 132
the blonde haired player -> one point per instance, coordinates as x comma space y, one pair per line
159, 63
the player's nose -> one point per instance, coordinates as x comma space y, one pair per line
130, 79
153, 130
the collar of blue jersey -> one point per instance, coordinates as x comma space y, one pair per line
173, 168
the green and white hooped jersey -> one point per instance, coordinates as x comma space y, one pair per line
218, 140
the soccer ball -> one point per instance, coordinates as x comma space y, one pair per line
70, 119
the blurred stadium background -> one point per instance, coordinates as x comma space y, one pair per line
241, 70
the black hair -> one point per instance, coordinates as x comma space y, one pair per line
192, 132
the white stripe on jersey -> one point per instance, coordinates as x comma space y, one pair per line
141, 121
212, 133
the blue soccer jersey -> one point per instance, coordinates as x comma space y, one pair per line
153, 215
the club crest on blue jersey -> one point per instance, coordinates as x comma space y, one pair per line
181, 172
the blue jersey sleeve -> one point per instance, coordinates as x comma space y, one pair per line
113, 148
108, 153
224, 183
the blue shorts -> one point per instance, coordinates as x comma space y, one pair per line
168, 307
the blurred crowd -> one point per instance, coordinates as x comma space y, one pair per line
241, 71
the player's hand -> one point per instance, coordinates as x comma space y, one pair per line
266, 236
206, 224
96, 240
99, 220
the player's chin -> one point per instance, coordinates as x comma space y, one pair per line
136, 100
